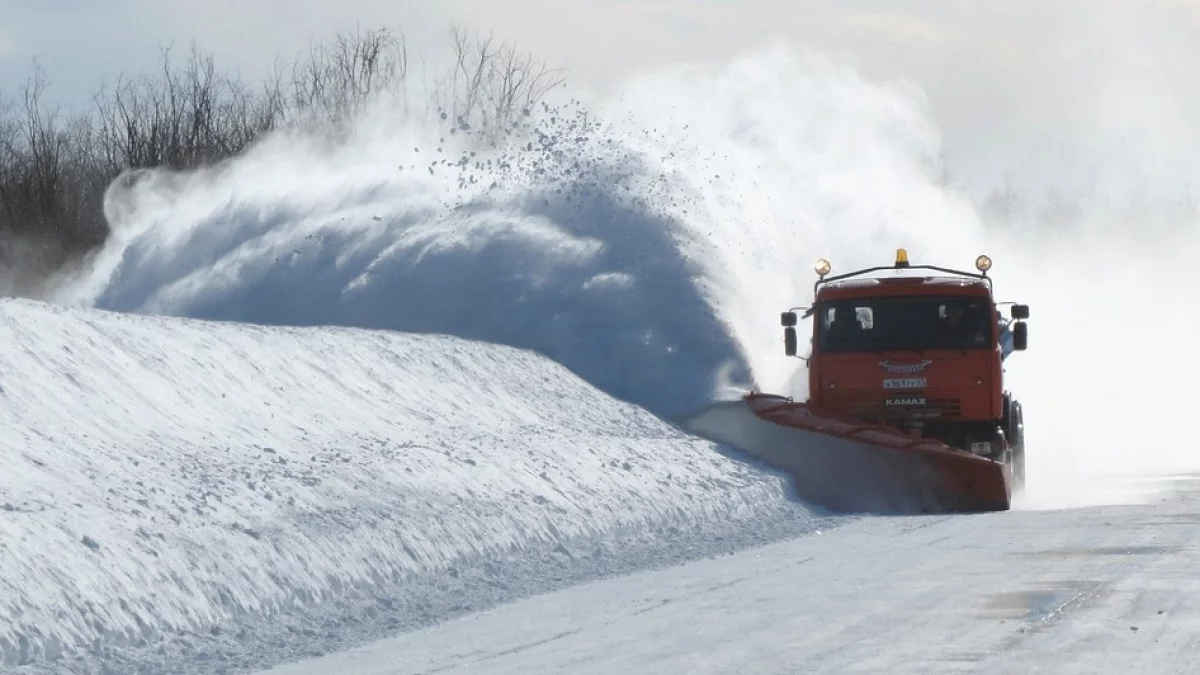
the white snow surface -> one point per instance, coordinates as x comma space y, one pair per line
184, 491
1108, 589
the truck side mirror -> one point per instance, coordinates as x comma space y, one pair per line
788, 319
1020, 335
1020, 312
789, 341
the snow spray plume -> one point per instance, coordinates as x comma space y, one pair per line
550, 241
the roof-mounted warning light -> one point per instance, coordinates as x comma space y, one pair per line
901, 258
822, 267
983, 264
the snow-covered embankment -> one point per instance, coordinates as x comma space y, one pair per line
179, 481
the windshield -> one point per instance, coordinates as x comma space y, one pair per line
904, 324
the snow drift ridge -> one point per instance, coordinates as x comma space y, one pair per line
177, 482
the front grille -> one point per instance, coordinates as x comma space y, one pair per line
934, 408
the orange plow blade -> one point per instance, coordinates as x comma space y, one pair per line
846, 465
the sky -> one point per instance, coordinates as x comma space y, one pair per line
80, 42
986, 68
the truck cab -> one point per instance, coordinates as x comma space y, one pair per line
922, 352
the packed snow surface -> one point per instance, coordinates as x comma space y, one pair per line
1109, 589
178, 480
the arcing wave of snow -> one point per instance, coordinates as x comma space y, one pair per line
174, 482
552, 246
647, 245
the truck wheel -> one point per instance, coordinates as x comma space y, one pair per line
1016, 435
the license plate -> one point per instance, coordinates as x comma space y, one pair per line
905, 383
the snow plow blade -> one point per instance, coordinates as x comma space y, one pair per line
846, 465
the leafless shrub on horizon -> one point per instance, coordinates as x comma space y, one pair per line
491, 85
55, 167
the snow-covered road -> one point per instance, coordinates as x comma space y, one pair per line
1105, 589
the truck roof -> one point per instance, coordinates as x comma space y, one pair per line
903, 285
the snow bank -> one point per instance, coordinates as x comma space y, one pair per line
175, 480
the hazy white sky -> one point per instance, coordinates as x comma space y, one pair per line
993, 70
81, 41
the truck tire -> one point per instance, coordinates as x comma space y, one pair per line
1016, 435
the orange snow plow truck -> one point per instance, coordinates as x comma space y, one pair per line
906, 386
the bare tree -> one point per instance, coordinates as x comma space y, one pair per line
55, 168
337, 80
492, 84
